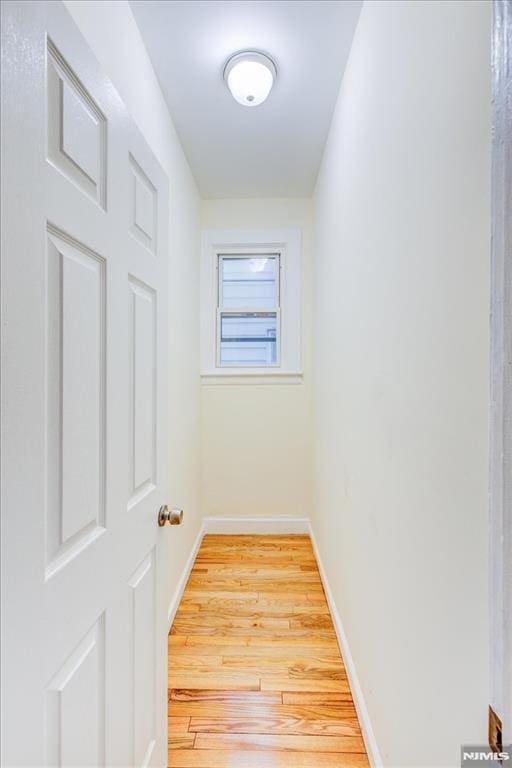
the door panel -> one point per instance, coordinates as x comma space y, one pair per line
76, 431
144, 206
75, 703
144, 673
142, 404
84, 281
76, 128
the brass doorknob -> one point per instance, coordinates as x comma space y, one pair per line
171, 516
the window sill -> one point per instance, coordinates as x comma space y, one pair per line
237, 376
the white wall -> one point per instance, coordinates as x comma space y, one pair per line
256, 439
401, 371
110, 30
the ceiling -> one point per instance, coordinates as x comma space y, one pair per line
273, 150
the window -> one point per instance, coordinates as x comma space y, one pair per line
250, 306
248, 317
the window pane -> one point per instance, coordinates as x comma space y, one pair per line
248, 339
249, 282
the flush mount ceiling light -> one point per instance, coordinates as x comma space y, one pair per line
250, 76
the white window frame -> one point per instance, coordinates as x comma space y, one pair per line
285, 243
248, 310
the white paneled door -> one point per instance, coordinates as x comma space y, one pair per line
84, 283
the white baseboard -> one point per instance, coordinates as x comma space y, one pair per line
240, 525
357, 693
178, 592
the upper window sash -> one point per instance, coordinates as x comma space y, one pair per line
229, 304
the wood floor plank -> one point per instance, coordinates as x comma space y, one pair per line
279, 742
302, 639
314, 698
246, 584
263, 539
223, 758
248, 608
253, 549
222, 672
174, 641
243, 682
266, 667
261, 557
225, 648
270, 558
262, 713
233, 619
263, 576
179, 660
234, 660
272, 590
211, 602
255, 723
211, 584
318, 621
288, 684
203, 624
255, 673
183, 741
192, 594
178, 724
312, 597
232, 697
313, 672
250, 570
200, 613
253, 546
258, 634
269, 586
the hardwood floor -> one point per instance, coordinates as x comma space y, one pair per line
255, 675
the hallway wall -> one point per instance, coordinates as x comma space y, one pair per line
256, 439
402, 249
110, 30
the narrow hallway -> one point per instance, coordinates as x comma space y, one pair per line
256, 383
255, 673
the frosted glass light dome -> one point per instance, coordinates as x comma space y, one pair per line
250, 76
